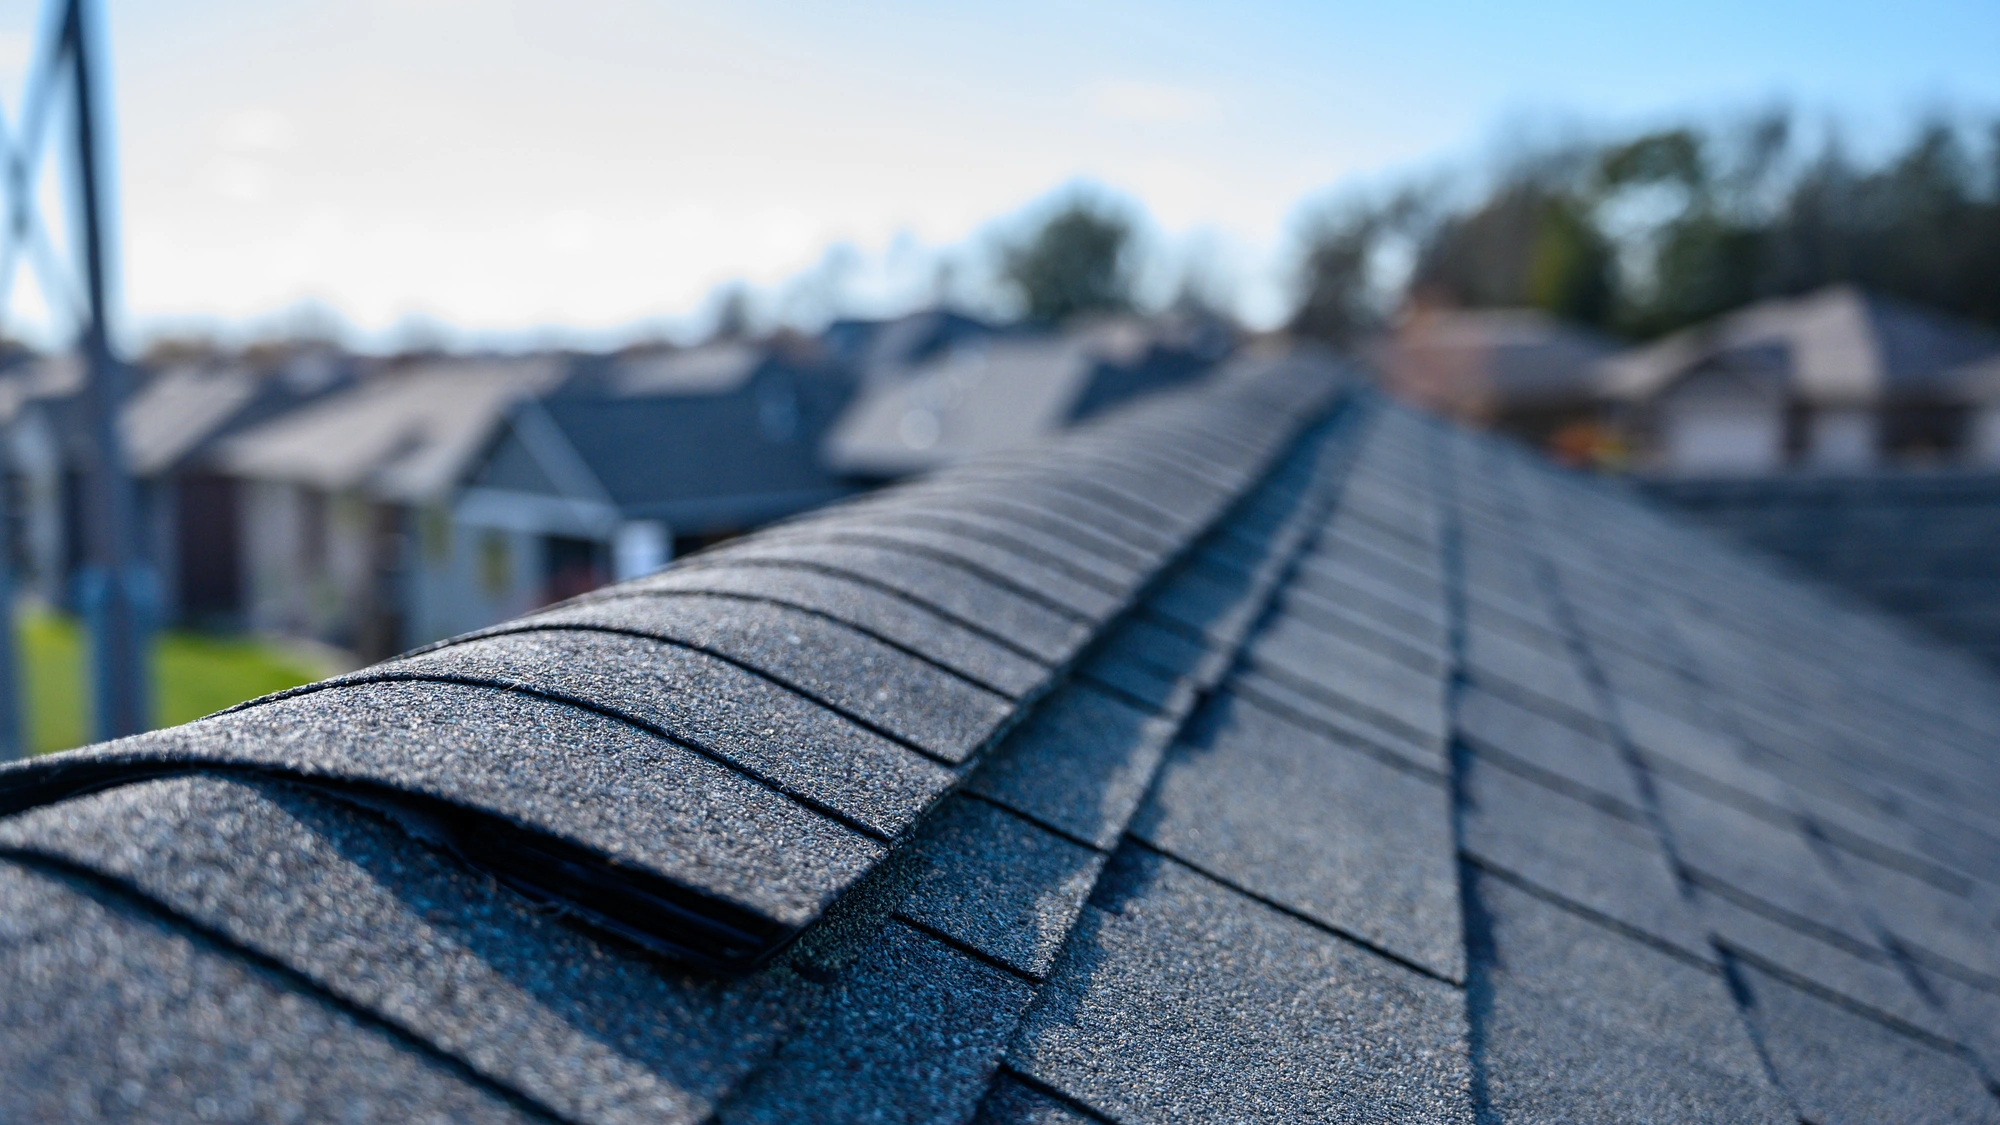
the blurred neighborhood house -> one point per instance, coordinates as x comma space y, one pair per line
1854, 435
1839, 380
376, 504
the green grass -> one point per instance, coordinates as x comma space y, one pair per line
193, 675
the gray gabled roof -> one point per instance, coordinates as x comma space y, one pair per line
1838, 346
1259, 752
178, 410
406, 435
986, 394
701, 461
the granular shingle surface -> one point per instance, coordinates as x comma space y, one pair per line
1178, 998
112, 1014
912, 1033
934, 710
735, 714
1315, 827
339, 898
1259, 751
1080, 765
1584, 1023
879, 612
1001, 884
570, 775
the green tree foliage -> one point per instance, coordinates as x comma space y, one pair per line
1074, 263
1651, 233
1529, 245
1334, 278
1339, 292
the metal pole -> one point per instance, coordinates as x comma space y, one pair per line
10, 690
114, 593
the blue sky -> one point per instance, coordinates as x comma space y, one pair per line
506, 167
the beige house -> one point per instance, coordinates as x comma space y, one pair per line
348, 537
1837, 380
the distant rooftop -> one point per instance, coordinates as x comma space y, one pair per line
1839, 345
406, 433
989, 392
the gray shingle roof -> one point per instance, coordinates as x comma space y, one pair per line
1258, 752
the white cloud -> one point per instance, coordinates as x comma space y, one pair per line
255, 130
239, 180
570, 230
1151, 103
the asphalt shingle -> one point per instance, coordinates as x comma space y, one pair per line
1845, 1069
1303, 822
536, 788
938, 712
1575, 1022
911, 1033
1080, 764
1094, 561
1079, 590
739, 716
423, 943
1000, 884
1144, 1017
1573, 848
872, 609
1351, 726
109, 1014
1037, 628
1498, 726
1009, 1102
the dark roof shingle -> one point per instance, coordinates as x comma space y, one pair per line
1258, 751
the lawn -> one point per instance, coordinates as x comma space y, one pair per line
193, 675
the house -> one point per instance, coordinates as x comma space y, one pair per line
1519, 371
190, 523
193, 512
648, 457
1839, 380
989, 392
884, 351
43, 523
346, 500
1258, 751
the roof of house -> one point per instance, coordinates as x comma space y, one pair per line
406, 435
885, 350
712, 368
701, 462
1257, 752
1840, 346
172, 417
990, 393
1476, 362
174, 412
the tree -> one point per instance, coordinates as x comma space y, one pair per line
732, 313
1334, 278
1074, 264
1340, 296
1532, 244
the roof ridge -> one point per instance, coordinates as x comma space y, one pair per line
1284, 545
955, 732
